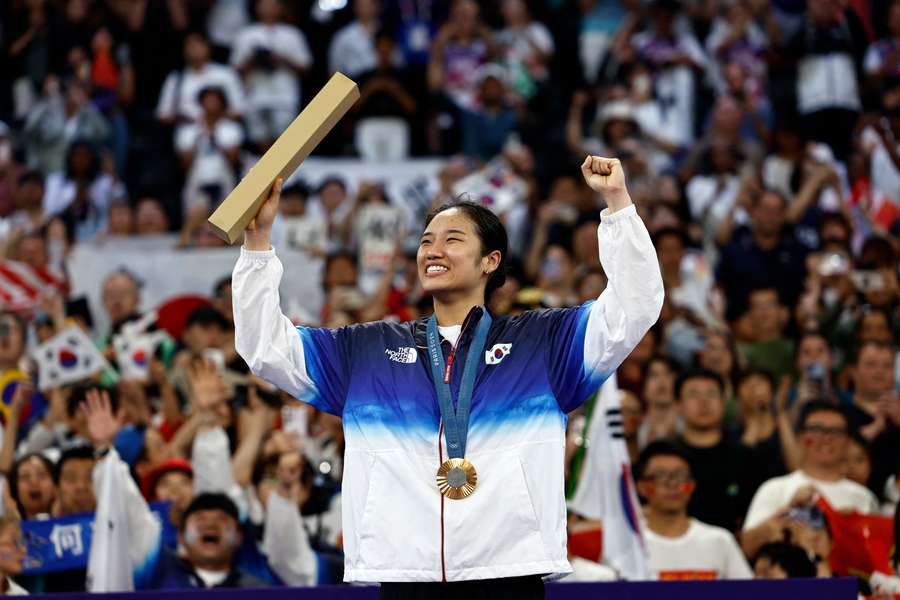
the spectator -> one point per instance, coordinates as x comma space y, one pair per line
859, 463
81, 194
765, 253
768, 348
823, 435
719, 354
352, 50
780, 560
271, 55
828, 51
180, 101
150, 217
882, 59
385, 106
208, 149
210, 536
12, 555
873, 379
73, 476
55, 122
121, 298
759, 425
681, 547
32, 486
676, 57
297, 228
120, 220
462, 46
879, 143
658, 394
813, 363
526, 46
487, 128
725, 471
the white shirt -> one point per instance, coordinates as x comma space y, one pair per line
883, 173
280, 87
59, 192
703, 552
210, 165
225, 20
179, 92
777, 492
211, 578
352, 50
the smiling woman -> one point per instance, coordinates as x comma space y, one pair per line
455, 423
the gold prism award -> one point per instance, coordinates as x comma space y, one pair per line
457, 478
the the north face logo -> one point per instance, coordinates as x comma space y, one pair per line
497, 353
403, 354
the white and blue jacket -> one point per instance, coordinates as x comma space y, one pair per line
537, 367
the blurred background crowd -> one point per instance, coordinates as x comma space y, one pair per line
760, 143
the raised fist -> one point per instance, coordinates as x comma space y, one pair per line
605, 175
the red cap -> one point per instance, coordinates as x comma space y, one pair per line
173, 464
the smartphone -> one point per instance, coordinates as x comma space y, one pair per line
809, 515
216, 357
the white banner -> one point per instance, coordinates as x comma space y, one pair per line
166, 271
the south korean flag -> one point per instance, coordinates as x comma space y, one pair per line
67, 357
497, 353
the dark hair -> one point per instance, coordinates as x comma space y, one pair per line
296, 189
490, 231
698, 374
816, 407
675, 232
207, 315
76, 453
870, 343
748, 373
215, 90
660, 448
14, 476
210, 501
31, 176
792, 559
78, 396
335, 179
221, 285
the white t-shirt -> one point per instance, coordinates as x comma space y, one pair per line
179, 92
210, 166
211, 578
884, 174
777, 492
352, 50
278, 88
703, 552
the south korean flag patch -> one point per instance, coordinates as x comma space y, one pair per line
497, 353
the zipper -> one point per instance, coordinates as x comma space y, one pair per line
441, 461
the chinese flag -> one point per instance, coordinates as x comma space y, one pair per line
861, 543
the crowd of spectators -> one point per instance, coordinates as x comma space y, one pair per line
760, 142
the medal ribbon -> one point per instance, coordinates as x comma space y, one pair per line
456, 422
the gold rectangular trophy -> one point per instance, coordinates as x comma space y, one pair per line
282, 159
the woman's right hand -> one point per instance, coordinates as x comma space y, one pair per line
257, 235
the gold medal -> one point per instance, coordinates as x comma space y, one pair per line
457, 478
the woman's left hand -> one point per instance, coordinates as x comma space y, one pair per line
605, 175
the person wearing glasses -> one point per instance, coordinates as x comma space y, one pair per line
679, 546
779, 502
